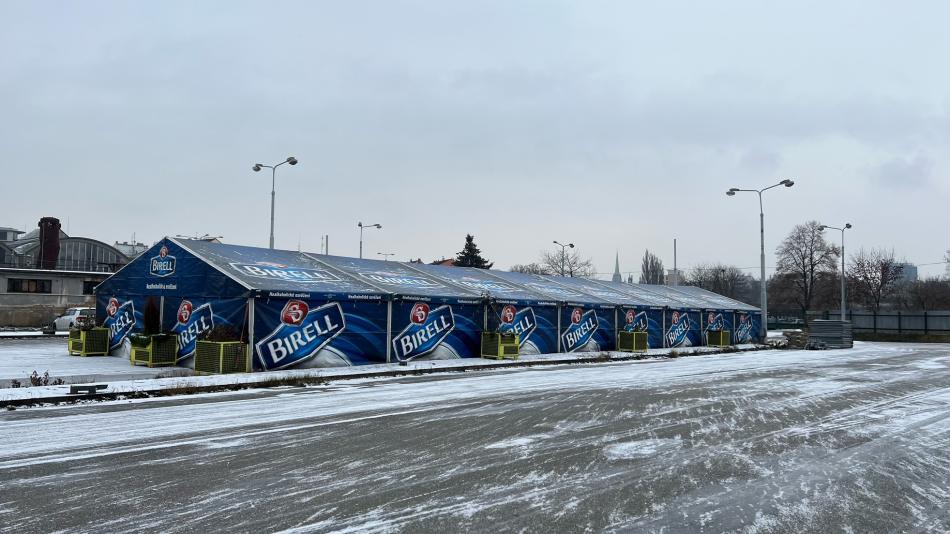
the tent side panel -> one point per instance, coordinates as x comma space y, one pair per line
192, 319
307, 333
537, 325
646, 319
425, 330
747, 327
586, 328
683, 328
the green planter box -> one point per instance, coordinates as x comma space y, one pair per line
161, 350
221, 357
632, 342
91, 342
498, 346
718, 338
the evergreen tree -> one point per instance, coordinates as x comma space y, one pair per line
470, 256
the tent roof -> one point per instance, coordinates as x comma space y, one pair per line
606, 292
548, 286
718, 300
395, 277
275, 270
648, 298
482, 282
272, 271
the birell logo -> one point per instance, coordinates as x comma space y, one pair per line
678, 333
400, 278
715, 322
580, 331
425, 331
279, 271
744, 329
515, 321
120, 320
635, 321
162, 265
193, 323
301, 334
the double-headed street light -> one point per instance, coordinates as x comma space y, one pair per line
765, 305
273, 179
386, 255
361, 225
846, 226
563, 253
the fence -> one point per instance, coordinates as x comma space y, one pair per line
887, 322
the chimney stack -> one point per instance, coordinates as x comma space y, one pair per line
48, 254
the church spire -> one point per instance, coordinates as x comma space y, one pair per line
617, 277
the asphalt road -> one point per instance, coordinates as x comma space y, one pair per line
850, 441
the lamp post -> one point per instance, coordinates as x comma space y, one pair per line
361, 225
563, 253
386, 255
273, 181
765, 304
846, 226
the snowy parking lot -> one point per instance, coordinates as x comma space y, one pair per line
770, 441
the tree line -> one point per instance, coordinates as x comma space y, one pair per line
807, 275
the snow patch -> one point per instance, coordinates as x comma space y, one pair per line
633, 450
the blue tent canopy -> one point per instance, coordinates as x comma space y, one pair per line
484, 283
546, 285
300, 309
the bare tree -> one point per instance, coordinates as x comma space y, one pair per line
651, 269
727, 280
802, 256
572, 262
931, 293
875, 273
530, 268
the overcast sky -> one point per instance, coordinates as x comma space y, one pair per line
614, 125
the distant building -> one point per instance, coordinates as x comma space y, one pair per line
444, 261
674, 277
130, 249
908, 272
45, 271
617, 277
72, 253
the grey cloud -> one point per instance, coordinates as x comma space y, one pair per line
902, 172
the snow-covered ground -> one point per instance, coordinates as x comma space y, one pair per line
18, 359
771, 441
21, 357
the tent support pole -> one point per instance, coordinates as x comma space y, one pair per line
664, 327
389, 330
559, 327
616, 326
161, 313
250, 332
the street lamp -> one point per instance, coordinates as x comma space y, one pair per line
563, 253
846, 226
273, 179
765, 305
361, 225
386, 255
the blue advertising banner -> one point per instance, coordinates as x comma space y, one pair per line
430, 332
298, 333
120, 319
683, 328
537, 325
587, 329
747, 327
716, 320
194, 319
649, 320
